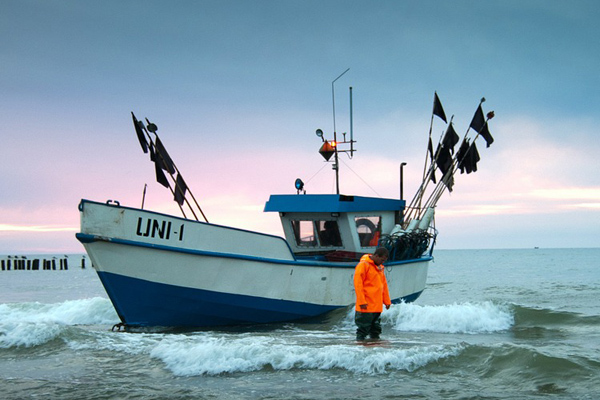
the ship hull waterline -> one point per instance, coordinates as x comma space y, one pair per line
154, 298
167, 271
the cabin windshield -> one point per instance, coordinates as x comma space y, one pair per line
368, 229
304, 232
316, 233
329, 233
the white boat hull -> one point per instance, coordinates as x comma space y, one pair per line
161, 270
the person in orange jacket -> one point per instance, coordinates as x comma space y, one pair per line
372, 293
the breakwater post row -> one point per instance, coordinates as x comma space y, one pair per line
50, 263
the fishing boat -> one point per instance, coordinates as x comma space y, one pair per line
168, 271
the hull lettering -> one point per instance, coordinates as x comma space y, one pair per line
154, 228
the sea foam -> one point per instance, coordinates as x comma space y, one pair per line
471, 318
213, 356
32, 324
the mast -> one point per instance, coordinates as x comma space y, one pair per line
351, 126
332, 148
336, 164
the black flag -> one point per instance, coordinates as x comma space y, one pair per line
167, 163
485, 132
448, 181
443, 159
152, 152
437, 108
478, 119
469, 157
461, 155
473, 157
430, 149
180, 188
140, 134
160, 175
450, 138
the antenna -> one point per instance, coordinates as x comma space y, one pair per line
351, 127
331, 148
336, 165
333, 96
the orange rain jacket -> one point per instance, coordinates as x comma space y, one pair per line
370, 286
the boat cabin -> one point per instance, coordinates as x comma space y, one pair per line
334, 227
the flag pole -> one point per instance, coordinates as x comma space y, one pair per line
441, 112
427, 152
478, 124
180, 190
421, 191
144, 195
437, 194
422, 188
158, 153
438, 110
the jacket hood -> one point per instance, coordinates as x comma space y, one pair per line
367, 258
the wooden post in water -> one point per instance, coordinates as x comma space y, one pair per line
23, 263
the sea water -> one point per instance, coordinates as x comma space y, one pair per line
492, 324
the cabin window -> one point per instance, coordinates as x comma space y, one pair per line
304, 233
329, 233
369, 230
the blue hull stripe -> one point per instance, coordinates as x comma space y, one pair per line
87, 238
143, 303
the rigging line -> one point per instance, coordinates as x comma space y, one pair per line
316, 173
177, 188
157, 153
359, 177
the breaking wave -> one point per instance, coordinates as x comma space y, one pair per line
33, 324
469, 318
299, 347
214, 356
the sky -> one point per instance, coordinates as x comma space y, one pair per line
238, 88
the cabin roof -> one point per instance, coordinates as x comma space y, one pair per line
330, 203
